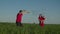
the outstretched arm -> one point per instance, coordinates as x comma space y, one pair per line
25, 12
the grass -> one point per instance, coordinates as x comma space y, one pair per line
11, 28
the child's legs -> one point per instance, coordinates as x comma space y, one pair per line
18, 23
39, 22
42, 23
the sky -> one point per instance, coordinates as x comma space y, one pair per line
49, 8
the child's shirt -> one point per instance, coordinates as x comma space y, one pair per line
41, 18
19, 17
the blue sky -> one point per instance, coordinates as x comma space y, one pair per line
49, 8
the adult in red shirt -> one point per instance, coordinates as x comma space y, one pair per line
41, 20
19, 18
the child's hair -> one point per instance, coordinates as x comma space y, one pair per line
40, 14
20, 11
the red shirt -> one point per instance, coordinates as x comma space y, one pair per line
19, 17
41, 18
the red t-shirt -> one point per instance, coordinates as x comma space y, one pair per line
41, 18
19, 17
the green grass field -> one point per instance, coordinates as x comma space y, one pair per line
11, 28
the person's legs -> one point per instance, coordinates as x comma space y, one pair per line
39, 23
20, 24
17, 23
42, 24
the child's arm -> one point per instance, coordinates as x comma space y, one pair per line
44, 17
25, 12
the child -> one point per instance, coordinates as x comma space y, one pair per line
19, 18
41, 20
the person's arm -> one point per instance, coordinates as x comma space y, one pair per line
25, 12
44, 17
